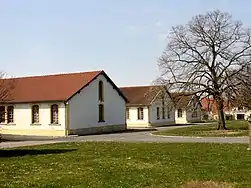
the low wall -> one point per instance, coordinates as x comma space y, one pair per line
32, 132
98, 130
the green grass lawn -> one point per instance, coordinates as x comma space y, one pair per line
236, 128
125, 165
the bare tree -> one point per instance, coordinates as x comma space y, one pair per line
242, 95
6, 90
7, 85
205, 56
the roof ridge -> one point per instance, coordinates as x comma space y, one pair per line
55, 74
139, 86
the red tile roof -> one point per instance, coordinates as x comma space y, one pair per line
58, 87
140, 95
143, 95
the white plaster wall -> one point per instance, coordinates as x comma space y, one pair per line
180, 120
133, 120
187, 116
23, 117
83, 107
153, 113
235, 111
193, 119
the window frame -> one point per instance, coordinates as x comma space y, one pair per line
52, 115
163, 113
180, 113
101, 113
10, 116
168, 113
140, 113
101, 91
163, 106
2, 116
157, 113
33, 114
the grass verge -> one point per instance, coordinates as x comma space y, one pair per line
126, 165
236, 128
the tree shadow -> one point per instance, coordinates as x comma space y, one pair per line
4, 153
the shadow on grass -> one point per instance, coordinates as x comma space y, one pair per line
22, 152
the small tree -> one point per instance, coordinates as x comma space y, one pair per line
205, 56
6, 88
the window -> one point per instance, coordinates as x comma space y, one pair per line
35, 114
10, 114
163, 107
101, 91
127, 113
180, 113
101, 113
163, 113
157, 115
168, 113
2, 114
54, 114
194, 114
240, 116
140, 113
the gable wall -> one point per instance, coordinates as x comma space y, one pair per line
187, 114
168, 105
84, 112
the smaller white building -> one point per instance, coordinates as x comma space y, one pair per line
153, 106
238, 113
188, 108
62, 104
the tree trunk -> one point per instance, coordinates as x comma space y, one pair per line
221, 117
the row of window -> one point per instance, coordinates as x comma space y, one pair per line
10, 114
194, 113
141, 113
35, 114
163, 113
9, 111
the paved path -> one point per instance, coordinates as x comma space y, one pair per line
131, 137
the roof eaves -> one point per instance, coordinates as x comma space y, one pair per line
32, 101
135, 105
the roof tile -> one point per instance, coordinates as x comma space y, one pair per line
58, 87
140, 95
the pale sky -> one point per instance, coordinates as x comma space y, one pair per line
122, 37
